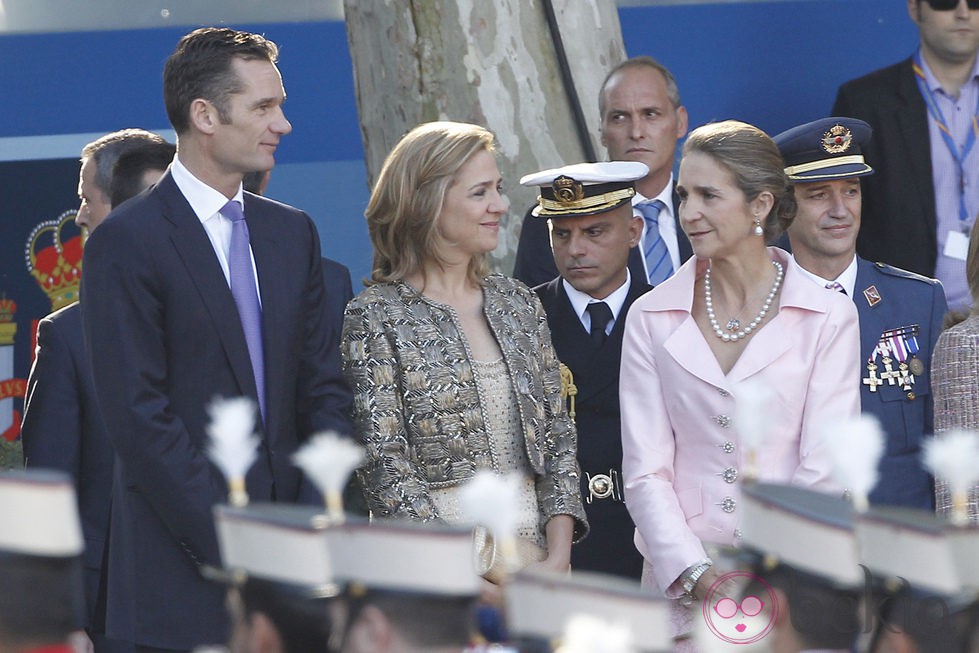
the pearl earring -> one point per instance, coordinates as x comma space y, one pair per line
758, 231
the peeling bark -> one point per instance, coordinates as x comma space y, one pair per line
487, 62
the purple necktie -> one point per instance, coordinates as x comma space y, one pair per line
246, 294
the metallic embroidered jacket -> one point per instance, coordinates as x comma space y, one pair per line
417, 408
954, 364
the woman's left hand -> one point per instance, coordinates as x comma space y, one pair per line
552, 564
560, 532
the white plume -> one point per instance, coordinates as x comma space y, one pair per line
233, 442
491, 500
585, 633
953, 456
328, 459
752, 418
856, 445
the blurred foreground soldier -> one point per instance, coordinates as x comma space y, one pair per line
41, 596
900, 312
282, 578
334, 583
926, 581
803, 590
409, 588
593, 230
584, 612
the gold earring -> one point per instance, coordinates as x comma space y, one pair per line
758, 231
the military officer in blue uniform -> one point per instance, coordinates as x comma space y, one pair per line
900, 312
593, 229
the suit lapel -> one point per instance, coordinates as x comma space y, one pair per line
911, 116
262, 235
872, 318
195, 250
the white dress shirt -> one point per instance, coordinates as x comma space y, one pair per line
580, 302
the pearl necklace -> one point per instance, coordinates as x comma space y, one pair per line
735, 324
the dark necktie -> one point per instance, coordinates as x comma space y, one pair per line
659, 267
601, 315
245, 292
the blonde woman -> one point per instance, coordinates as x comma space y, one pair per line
452, 368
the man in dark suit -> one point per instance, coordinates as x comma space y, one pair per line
919, 206
900, 312
642, 120
191, 291
593, 230
62, 427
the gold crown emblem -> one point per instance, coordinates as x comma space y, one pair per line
567, 190
8, 328
7, 309
837, 140
56, 267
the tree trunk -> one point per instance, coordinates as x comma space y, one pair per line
489, 62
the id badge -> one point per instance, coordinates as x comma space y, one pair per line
956, 245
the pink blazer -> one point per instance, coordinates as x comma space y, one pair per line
681, 455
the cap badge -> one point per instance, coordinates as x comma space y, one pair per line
567, 190
837, 140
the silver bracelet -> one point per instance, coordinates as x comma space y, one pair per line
689, 579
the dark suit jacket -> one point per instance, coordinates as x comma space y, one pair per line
906, 299
898, 225
63, 429
339, 290
609, 546
534, 263
164, 337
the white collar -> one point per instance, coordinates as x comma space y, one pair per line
203, 199
847, 278
615, 300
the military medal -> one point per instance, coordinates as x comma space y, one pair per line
916, 364
872, 379
898, 346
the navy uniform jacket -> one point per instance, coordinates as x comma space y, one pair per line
905, 299
899, 199
163, 334
609, 546
534, 263
63, 429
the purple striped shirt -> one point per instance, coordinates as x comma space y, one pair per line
959, 113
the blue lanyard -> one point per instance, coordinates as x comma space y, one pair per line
936, 114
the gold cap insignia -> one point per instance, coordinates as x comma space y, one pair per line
567, 190
837, 140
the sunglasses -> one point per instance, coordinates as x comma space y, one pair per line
751, 606
948, 5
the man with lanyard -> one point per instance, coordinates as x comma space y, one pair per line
924, 112
900, 312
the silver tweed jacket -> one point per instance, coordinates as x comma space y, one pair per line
417, 409
954, 366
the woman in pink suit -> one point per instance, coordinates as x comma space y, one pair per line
736, 312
